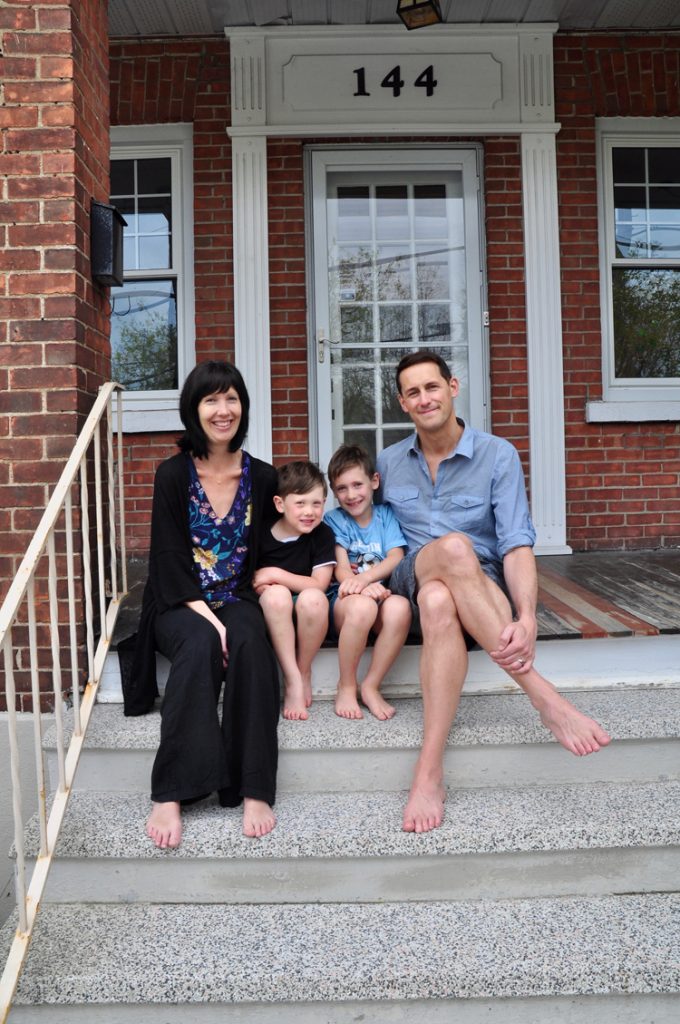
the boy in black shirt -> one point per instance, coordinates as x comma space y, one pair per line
296, 565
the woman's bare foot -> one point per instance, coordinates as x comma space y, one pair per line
164, 826
258, 817
294, 703
376, 703
424, 809
574, 730
346, 702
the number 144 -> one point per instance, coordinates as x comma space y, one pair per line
395, 82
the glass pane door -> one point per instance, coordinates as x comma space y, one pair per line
397, 277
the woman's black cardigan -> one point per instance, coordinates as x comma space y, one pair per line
172, 579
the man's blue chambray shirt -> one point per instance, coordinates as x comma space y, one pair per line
479, 491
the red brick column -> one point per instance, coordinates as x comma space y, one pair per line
54, 349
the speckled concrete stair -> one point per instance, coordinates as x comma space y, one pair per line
496, 740
527, 960
591, 839
549, 894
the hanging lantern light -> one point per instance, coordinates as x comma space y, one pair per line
417, 13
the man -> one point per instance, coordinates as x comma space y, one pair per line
459, 496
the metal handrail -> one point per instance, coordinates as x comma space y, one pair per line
22, 594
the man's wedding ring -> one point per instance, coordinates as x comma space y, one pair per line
520, 661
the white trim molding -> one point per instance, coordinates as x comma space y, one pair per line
544, 343
251, 286
628, 399
158, 411
333, 79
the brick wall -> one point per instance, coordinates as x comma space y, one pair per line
622, 479
53, 321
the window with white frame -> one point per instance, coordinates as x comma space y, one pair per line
152, 312
640, 234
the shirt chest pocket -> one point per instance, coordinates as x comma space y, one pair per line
467, 508
401, 497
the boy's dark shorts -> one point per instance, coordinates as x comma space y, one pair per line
403, 581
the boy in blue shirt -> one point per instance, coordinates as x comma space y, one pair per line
369, 544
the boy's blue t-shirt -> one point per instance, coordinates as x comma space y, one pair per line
366, 545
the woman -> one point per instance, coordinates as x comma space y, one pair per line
211, 503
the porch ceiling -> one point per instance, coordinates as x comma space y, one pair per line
129, 18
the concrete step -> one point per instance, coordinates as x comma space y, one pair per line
589, 839
608, 662
463, 960
496, 740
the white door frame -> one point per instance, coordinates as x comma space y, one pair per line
324, 160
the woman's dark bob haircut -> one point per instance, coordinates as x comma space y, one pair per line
213, 377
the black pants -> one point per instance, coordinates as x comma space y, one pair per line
198, 754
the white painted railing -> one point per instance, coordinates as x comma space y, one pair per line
19, 608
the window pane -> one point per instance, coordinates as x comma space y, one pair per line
144, 335
356, 324
395, 324
434, 325
431, 216
122, 177
354, 222
394, 274
628, 164
664, 165
646, 322
391, 212
358, 396
154, 177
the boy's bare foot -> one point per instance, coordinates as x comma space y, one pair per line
346, 702
258, 817
164, 825
307, 689
376, 703
424, 809
294, 706
574, 730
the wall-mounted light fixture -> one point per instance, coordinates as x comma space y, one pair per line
106, 244
417, 13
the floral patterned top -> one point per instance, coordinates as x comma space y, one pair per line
220, 546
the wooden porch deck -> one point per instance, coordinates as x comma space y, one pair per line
599, 594
613, 593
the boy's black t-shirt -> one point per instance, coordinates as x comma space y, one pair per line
299, 556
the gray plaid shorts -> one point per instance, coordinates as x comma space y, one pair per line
403, 582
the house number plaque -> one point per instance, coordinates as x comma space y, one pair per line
393, 81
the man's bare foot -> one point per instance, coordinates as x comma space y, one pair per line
346, 702
294, 704
574, 730
424, 809
376, 703
258, 817
165, 825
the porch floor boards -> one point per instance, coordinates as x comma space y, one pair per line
601, 594
586, 595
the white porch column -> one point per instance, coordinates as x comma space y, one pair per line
251, 286
544, 342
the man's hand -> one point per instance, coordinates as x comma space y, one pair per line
517, 646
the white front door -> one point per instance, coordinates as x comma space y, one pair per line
397, 266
